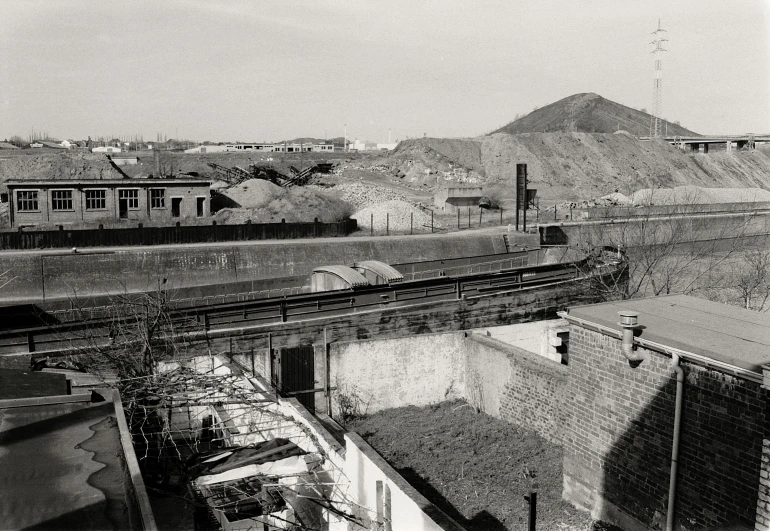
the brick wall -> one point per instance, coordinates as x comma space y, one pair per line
516, 385
617, 446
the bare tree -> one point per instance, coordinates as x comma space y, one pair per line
669, 250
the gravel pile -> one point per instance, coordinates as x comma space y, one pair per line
694, 195
362, 195
396, 214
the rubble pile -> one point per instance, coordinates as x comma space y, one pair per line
362, 195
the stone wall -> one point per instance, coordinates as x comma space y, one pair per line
617, 445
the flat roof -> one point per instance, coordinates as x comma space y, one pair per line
61, 465
102, 182
721, 332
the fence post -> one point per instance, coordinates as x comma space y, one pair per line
469, 217
481, 212
431, 222
554, 212
570, 211
411, 222
501, 215
387, 223
371, 224
458, 218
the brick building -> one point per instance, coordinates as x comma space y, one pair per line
619, 437
66, 202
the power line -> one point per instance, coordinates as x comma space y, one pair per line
657, 90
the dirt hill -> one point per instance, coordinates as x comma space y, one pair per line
577, 165
592, 114
21, 165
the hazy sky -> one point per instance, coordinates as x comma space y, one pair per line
261, 70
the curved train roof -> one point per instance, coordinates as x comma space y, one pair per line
348, 274
382, 269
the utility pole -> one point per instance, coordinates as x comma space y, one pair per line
345, 139
657, 90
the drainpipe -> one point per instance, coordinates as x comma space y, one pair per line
628, 321
675, 446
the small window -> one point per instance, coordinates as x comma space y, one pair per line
131, 197
96, 199
27, 201
61, 199
158, 198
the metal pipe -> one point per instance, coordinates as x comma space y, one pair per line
675, 445
628, 321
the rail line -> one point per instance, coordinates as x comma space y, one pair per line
97, 332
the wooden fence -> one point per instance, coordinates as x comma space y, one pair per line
101, 237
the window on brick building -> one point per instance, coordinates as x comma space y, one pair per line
27, 201
61, 199
158, 198
96, 199
131, 197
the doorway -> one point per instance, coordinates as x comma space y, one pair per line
123, 208
293, 374
200, 204
176, 206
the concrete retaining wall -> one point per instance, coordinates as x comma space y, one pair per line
37, 275
633, 232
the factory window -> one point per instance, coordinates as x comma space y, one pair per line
96, 199
27, 201
158, 198
131, 197
61, 199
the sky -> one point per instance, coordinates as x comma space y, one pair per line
275, 70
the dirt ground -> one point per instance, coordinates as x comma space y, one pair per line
471, 466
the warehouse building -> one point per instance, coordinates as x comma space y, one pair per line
67, 202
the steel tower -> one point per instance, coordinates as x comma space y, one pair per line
657, 90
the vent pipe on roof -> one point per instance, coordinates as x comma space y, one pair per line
629, 322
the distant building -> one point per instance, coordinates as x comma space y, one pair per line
387, 146
266, 148
125, 161
66, 202
46, 144
451, 199
6, 145
357, 145
207, 149
106, 149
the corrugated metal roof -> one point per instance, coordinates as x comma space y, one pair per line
382, 269
349, 275
721, 332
